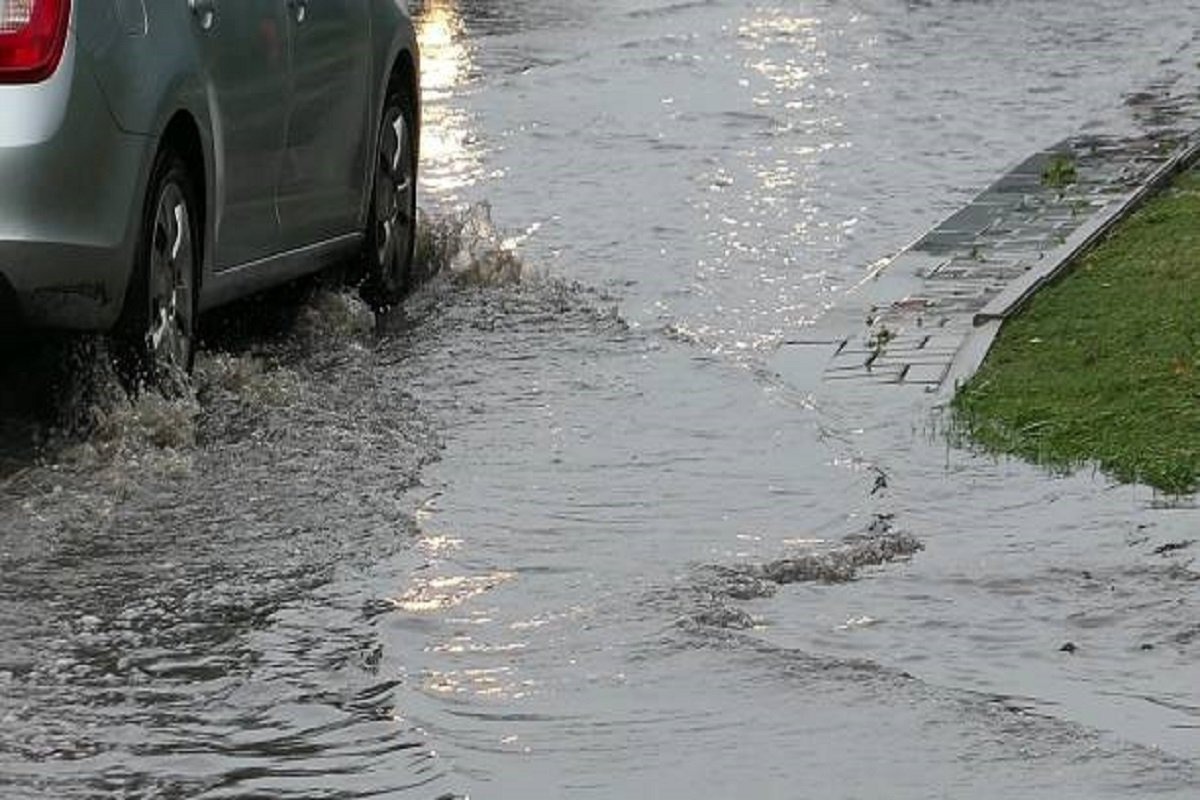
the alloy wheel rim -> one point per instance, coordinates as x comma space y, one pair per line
393, 186
172, 266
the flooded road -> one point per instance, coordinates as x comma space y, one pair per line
575, 521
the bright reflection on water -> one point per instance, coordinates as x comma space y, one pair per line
443, 592
445, 58
450, 149
772, 26
759, 199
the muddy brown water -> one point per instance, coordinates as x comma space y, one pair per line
573, 521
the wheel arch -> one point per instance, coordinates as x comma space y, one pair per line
404, 73
180, 146
403, 68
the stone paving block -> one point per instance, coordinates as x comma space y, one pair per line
895, 351
944, 341
1016, 228
887, 363
883, 375
940, 242
1018, 184
955, 291
1021, 247
798, 363
951, 272
938, 265
980, 270
926, 373
990, 197
848, 364
914, 262
924, 356
1036, 164
911, 344
940, 344
1060, 218
972, 219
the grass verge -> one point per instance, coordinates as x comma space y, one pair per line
1103, 366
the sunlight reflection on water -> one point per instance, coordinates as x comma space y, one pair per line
451, 154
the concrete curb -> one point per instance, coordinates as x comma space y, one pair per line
1090, 233
988, 321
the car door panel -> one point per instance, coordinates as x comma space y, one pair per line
321, 184
244, 47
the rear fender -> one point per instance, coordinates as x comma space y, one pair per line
147, 64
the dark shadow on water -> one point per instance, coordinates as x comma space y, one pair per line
33, 377
262, 319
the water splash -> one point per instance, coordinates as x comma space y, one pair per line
74, 411
466, 247
248, 379
66, 405
91, 418
337, 314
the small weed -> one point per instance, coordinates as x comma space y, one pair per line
1060, 172
878, 341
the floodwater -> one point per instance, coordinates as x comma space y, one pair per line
576, 520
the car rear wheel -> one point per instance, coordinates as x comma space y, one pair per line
392, 221
158, 329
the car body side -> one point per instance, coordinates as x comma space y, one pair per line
76, 151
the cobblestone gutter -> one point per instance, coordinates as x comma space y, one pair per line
954, 287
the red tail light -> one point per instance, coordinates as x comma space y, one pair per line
33, 34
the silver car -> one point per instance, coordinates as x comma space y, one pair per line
162, 157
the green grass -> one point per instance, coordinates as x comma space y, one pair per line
1103, 366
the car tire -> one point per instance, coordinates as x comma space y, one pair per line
392, 218
156, 336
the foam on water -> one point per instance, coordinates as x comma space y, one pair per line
248, 379
712, 589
